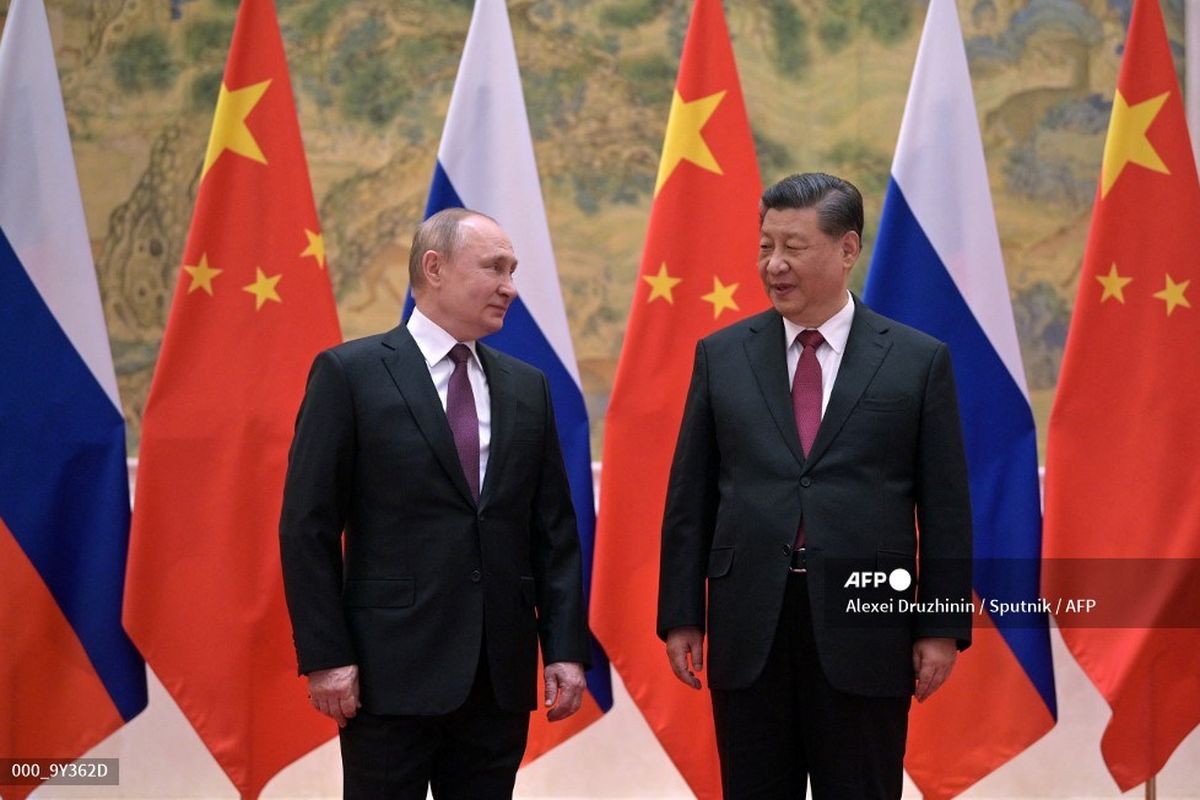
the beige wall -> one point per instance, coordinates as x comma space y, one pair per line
825, 84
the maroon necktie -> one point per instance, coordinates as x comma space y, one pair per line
806, 389
806, 398
464, 422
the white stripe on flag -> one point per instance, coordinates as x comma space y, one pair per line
487, 152
41, 211
940, 135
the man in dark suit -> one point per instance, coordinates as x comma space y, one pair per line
817, 438
439, 459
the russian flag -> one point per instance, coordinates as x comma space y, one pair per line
937, 267
70, 674
486, 163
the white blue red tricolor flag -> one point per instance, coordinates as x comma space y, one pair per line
937, 267
70, 674
486, 163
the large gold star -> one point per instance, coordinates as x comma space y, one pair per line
721, 297
684, 140
263, 288
1126, 141
661, 285
1172, 295
202, 275
229, 131
316, 247
1114, 285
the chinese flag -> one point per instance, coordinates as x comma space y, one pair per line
1121, 478
697, 274
253, 306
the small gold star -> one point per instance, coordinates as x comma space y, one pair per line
1114, 285
721, 297
263, 288
316, 247
202, 275
661, 285
1173, 296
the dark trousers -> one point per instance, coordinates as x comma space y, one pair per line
471, 753
790, 726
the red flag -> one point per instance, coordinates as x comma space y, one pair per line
698, 274
1120, 477
253, 306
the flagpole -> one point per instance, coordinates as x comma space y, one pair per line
1152, 788
1191, 83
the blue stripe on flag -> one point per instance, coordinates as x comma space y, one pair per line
64, 486
998, 429
522, 338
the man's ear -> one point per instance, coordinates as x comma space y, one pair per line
431, 267
851, 247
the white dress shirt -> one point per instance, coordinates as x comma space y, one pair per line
836, 331
435, 345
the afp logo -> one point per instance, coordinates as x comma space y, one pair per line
899, 579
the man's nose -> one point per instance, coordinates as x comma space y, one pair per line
776, 264
507, 287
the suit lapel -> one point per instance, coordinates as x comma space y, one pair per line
409, 372
501, 391
865, 349
768, 363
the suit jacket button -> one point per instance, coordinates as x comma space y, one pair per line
806, 481
476, 576
787, 549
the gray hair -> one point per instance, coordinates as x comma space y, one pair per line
439, 233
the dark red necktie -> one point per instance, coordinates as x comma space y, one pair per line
464, 421
806, 398
806, 389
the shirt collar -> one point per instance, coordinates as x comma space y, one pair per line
435, 344
835, 330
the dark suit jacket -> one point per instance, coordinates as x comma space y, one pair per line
427, 573
888, 456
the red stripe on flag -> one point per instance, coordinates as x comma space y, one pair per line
989, 712
55, 704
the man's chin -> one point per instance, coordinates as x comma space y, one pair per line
494, 321
787, 307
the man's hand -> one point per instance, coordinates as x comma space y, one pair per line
334, 692
683, 643
564, 689
933, 658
